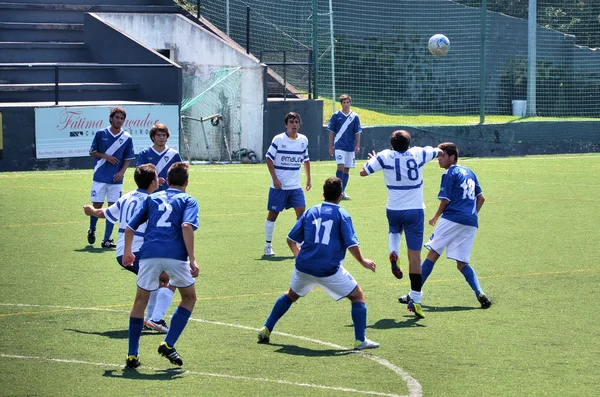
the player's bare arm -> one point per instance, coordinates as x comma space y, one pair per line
357, 254
307, 171
357, 138
111, 159
331, 148
443, 204
128, 256
293, 247
479, 203
121, 174
188, 238
89, 210
271, 168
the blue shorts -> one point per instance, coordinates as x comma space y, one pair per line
280, 200
411, 222
135, 268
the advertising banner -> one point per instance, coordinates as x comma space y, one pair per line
68, 131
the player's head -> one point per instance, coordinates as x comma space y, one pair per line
449, 154
161, 130
144, 175
117, 117
400, 140
332, 190
293, 121
345, 98
178, 174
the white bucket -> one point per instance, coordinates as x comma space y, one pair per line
519, 108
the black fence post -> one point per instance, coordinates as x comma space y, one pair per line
247, 30
56, 85
198, 9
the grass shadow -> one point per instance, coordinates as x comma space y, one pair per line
442, 309
306, 352
126, 373
113, 334
275, 258
390, 323
92, 250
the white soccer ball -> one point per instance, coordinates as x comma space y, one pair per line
438, 45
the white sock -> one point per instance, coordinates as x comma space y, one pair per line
151, 303
269, 227
163, 301
394, 242
416, 296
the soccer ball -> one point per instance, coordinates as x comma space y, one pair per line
438, 45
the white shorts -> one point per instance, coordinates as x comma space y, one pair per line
111, 191
457, 239
346, 158
338, 286
180, 275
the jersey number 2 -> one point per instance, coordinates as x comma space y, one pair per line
162, 222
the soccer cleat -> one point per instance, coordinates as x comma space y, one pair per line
264, 335
132, 362
160, 325
170, 353
415, 308
345, 196
366, 344
269, 250
110, 243
91, 236
396, 271
485, 301
404, 299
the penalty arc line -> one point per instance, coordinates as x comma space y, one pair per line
413, 386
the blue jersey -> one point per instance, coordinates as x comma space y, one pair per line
162, 161
119, 146
325, 231
345, 127
166, 212
460, 186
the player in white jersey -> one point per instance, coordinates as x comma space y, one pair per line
112, 149
344, 140
122, 211
403, 173
461, 198
287, 153
159, 153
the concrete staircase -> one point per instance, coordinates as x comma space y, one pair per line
36, 35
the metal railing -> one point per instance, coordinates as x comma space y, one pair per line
72, 65
285, 63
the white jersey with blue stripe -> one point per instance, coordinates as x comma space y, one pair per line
288, 155
123, 211
403, 174
119, 146
162, 161
345, 127
460, 187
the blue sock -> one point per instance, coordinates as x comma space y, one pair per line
472, 279
340, 174
93, 222
345, 178
135, 331
426, 269
178, 322
359, 317
108, 230
281, 306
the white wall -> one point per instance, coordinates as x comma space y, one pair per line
197, 50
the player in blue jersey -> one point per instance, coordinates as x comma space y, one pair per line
461, 199
112, 149
344, 140
159, 153
122, 211
172, 217
403, 173
287, 153
325, 232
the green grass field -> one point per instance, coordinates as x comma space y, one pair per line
64, 305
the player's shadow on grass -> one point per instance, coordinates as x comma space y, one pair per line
275, 258
304, 351
442, 309
92, 250
113, 334
166, 374
390, 323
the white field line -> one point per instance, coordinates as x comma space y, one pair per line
414, 387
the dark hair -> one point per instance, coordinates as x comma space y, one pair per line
178, 174
159, 128
116, 110
144, 175
292, 115
400, 140
450, 149
332, 189
345, 96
